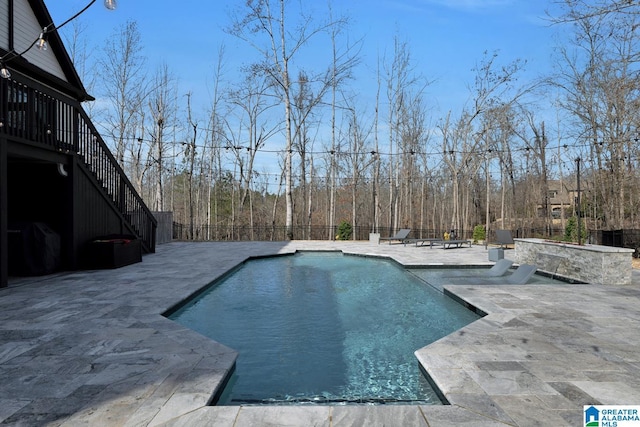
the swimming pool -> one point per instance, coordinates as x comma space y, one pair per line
324, 328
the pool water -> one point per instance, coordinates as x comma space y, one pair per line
324, 328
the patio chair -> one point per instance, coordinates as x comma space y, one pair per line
498, 269
519, 277
457, 243
504, 238
400, 236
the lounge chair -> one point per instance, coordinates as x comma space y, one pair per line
400, 236
457, 243
504, 238
519, 277
431, 241
498, 269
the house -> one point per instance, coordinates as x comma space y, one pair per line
560, 197
55, 169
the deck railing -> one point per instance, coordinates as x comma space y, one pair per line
36, 115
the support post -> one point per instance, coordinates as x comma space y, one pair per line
578, 202
4, 214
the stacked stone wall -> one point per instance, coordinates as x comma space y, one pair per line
596, 264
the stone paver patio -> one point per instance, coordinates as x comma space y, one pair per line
92, 348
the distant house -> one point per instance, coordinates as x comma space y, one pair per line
560, 197
55, 170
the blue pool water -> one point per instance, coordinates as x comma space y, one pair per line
324, 328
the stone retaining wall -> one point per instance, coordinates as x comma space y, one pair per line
605, 265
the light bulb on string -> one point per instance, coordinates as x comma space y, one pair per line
110, 4
41, 44
4, 71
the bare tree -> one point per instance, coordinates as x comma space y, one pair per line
375, 184
404, 88
163, 109
357, 161
579, 10
459, 146
125, 86
498, 131
304, 102
599, 77
215, 136
492, 92
82, 57
190, 152
412, 134
265, 26
534, 139
253, 103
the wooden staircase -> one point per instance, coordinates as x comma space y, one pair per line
41, 117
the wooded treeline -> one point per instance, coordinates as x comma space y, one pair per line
384, 166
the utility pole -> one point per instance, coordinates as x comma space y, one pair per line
488, 189
578, 201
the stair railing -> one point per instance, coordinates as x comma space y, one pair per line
37, 115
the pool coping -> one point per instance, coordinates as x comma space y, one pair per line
124, 364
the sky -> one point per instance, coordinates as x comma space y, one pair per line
447, 39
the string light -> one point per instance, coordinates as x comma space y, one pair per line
4, 71
427, 154
64, 135
110, 4
41, 42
